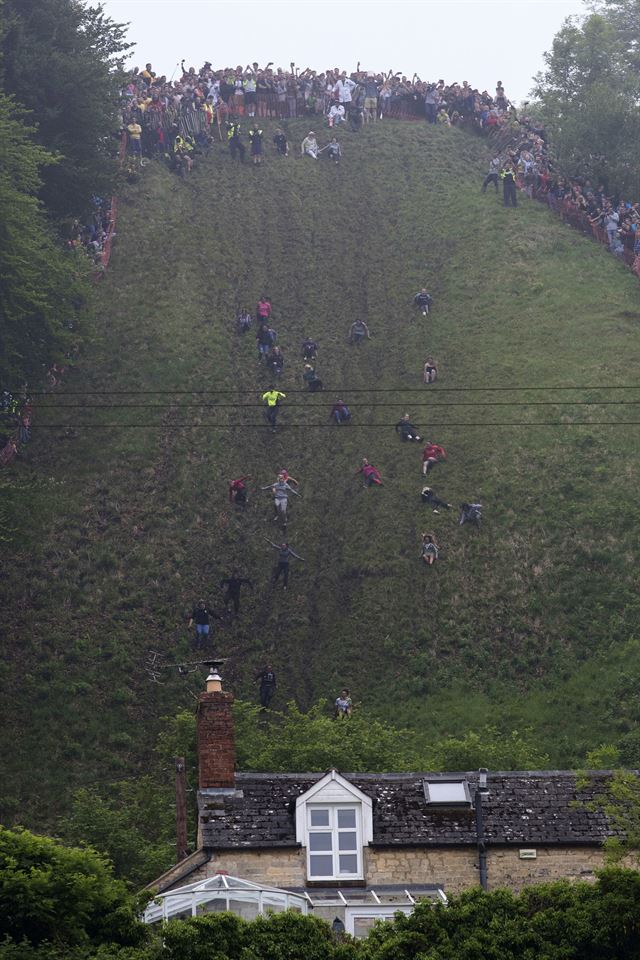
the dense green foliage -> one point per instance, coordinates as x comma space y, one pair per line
57, 902
557, 921
527, 624
62, 895
589, 94
42, 286
60, 59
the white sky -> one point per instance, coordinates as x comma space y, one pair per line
481, 41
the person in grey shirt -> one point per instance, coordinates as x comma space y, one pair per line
281, 490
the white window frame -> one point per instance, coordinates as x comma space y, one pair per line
459, 801
382, 912
334, 790
333, 810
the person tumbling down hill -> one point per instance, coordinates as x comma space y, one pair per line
238, 491
340, 412
370, 475
470, 513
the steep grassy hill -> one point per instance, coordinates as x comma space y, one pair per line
532, 620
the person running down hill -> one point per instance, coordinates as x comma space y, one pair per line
358, 331
272, 398
423, 301
281, 490
284, 555
234, 585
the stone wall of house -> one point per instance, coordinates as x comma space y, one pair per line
274, 867
456, 869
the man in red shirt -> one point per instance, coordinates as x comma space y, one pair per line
431, 455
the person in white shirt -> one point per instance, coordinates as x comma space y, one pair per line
336, 115
310, 146
344, 88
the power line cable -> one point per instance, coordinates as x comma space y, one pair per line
309, 426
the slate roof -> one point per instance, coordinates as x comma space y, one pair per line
526, 808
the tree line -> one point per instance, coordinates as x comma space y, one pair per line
61, 902
60, 80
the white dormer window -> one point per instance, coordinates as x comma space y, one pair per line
334, 822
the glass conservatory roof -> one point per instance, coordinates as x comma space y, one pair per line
222, 892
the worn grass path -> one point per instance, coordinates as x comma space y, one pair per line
530, 621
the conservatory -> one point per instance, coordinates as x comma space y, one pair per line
220, 893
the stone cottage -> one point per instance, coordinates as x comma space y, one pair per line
358, 846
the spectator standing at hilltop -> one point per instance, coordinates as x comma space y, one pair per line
344, 88
493, 174
508, 176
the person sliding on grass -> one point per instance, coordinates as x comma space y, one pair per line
340, 412
429, 496
370, 474
284, 555
430, 370
238, 491
423, 301
344, 705
233, 585
431, 455
429, 549
272, 398
406, 429
358, 331
281, 490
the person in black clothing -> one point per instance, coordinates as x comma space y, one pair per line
201, 616
267, 680
235, 143
406, 429
233, 585
423, 301
428, 496
508, 177
280, 141
309, 349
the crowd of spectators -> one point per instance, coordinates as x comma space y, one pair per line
157, 109
588, 206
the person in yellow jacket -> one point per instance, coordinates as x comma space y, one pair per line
272, 398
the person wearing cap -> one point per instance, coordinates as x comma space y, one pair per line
310, 146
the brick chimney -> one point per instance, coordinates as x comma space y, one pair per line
216, 739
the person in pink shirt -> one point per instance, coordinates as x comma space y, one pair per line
263, 309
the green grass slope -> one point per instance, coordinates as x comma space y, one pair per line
532, 620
